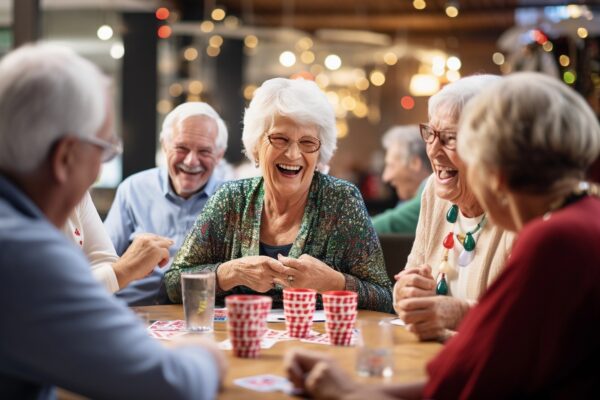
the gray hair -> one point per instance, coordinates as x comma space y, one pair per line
409, 138
46, 92
448, 103
175, 118
298, 99
534, 129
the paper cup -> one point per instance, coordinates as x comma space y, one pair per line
299, 307
340, 315
247, 323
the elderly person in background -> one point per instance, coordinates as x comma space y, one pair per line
527, 141
166, 201
406, 169
294, 226
60, 326
457, 251
84, 228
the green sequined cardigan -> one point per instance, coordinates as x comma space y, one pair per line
335, 229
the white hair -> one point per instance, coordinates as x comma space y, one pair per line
297, 99
448, 103
175, 118
46, 92
409, 138
534, 129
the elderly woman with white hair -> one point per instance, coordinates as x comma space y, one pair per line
457, 252
293, 226
527, 141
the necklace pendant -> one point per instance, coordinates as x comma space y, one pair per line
452, 214
442, 286
465, 257
469, 243
448, 242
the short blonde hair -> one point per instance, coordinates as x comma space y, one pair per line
297, 99
532, 128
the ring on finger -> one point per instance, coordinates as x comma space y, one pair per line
290, 279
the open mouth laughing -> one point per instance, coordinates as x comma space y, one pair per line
289, 170
445, 174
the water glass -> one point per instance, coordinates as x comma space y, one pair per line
198, 290
375, 355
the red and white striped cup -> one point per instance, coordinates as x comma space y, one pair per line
340, 315
299, 307
247, 323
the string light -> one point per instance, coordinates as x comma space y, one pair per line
452, 9
162, 13
164, 31
105, 32
333, 62
419, 4
498, 58
287, 58
218, 14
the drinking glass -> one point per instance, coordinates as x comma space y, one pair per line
198, 290
375, 355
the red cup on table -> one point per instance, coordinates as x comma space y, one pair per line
247, 323
299, 307
340, 315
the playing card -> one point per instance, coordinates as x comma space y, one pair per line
398, 322
165, 335
265, 383
176, 325
264, 344
220, 314
323, 338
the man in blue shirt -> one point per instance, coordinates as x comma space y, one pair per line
60, 327
167, 201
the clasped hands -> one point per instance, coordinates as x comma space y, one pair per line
425, 314
262, 273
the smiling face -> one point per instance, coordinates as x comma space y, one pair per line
399, 174
287, 171
449, 170
192, 154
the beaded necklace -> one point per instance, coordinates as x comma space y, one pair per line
468, 242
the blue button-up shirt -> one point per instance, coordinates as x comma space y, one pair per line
146, 203
60, 327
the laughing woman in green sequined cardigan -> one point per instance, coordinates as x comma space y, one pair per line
294, 226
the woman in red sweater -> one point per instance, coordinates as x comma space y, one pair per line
527, 141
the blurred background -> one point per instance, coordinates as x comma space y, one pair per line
378, 61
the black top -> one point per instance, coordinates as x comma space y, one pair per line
272, 251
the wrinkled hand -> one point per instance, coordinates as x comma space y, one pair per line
312, 273
429, 317
205, 344
414, 282
145, 252
317, 375
259, 273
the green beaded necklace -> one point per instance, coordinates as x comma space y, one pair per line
466, 255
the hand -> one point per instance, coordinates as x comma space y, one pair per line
145, 252
414, 282
317, 375
259, 273
208, 345
430, 317
309, 272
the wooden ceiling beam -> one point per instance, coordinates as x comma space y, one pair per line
475, 21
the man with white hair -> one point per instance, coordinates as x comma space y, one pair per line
166, 201
60, 327
406, 169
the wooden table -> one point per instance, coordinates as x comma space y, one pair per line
410, 355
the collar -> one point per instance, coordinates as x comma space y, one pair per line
18, 199
208, 190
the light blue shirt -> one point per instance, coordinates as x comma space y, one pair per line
146, 203
60, 327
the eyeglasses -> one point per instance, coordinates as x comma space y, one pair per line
109, 149
306, 144
447, 137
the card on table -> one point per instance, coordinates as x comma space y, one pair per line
266, 383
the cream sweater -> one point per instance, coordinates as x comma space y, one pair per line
491, 251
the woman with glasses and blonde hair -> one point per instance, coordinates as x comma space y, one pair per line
457, 252
294, 226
